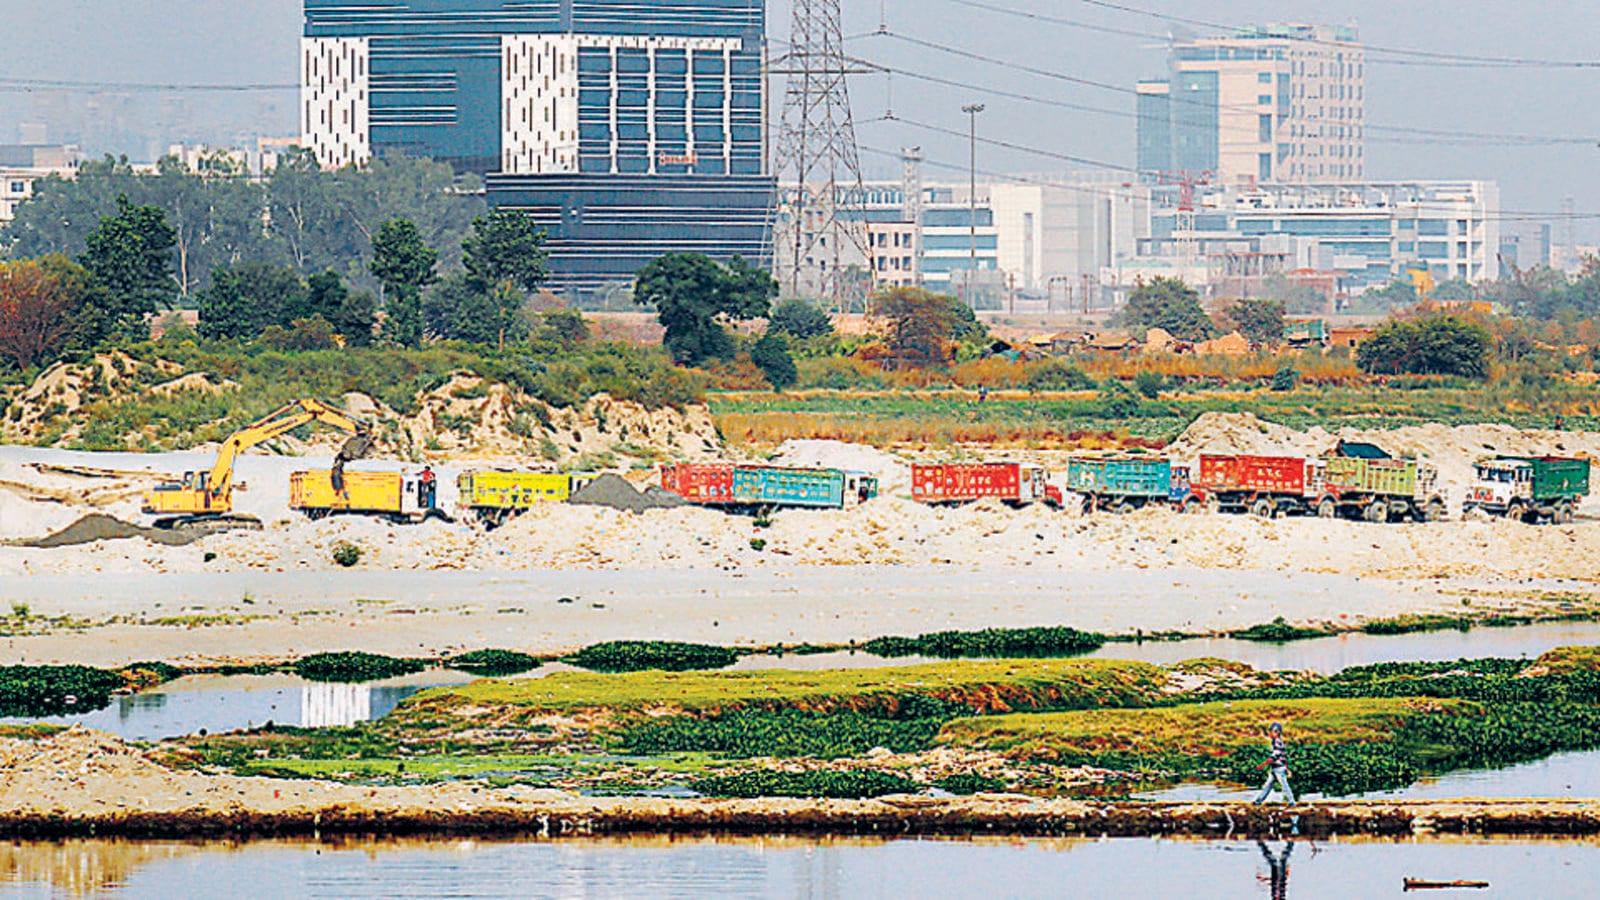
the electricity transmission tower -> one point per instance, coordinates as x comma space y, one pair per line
822, 239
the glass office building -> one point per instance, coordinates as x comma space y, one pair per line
628, 128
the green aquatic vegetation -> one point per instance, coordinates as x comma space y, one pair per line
1278, 631
34, 691
991, 643
355, 667
784, 733
494, 662
640, 656
1414, 624
840, 785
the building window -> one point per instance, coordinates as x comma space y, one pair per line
1266, 167
1264, 77
1264, 100
1264, 130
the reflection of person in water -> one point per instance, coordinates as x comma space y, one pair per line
1278, 869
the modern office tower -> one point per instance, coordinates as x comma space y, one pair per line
1277, 103
627, 130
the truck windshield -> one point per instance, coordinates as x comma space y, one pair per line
1505, 476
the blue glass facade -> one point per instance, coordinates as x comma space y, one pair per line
667, 150
603, 229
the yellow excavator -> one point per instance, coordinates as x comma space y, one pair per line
204, 499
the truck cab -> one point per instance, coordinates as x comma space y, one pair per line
859, 487
1497, 483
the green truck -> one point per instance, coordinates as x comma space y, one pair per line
1362, 481
1532, 489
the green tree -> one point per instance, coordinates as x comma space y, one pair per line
564, 329
505, 248
1259, 320
693, 294
458, 309
404, 264
771, 356
352, 315
1171, 305
800, 320
129, 260
923, 326
1440, 345
244, 300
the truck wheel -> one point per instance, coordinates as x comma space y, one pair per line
1262, 509
1474, 514
1566, 515
1214, 505
1327, 509
1435, 512
1087, 507
1377, 511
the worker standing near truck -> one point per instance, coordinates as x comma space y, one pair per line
1278, 765
430, 488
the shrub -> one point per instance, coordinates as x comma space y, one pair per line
771, 356
1278, 631
494, 662
1285, 380
1149, 384
992, 643
347, 554
355, 667
1057, 375
800, 320
639, 656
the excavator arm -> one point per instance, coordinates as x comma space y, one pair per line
219, 483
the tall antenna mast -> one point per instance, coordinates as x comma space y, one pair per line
823, 220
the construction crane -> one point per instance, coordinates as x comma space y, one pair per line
204, 499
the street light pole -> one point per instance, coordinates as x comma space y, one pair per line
972, 110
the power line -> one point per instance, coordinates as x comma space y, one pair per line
133, 87
1433, 55
1121, 89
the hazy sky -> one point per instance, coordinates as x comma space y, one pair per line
256, 41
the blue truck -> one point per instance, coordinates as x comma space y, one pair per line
751, 488
1126, 483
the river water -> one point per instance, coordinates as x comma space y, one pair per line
647, 867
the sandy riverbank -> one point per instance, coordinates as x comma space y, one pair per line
82, 783
206, 618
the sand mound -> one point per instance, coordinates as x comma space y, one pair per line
98, 527
614, 492
892, 472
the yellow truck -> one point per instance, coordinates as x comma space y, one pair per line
401, 497
494, 497
203, 500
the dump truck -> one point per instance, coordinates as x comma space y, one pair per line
953, 484
1362, 481
1124, 484
404, 498
756, 489
203, 500
495, 496
1266, 486
1532, 489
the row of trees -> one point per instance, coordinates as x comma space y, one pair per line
301, 217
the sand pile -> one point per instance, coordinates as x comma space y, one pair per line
100, 527
615, 492
892, 472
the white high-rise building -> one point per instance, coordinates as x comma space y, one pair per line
1279, 103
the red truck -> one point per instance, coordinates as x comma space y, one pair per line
1266, 486
952, 484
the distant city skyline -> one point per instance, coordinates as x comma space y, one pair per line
256, 41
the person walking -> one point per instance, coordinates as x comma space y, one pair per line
1278, 765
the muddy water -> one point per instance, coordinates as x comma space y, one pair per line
659, 867
220, 703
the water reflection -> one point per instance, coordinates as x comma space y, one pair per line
654, 867
220, 703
